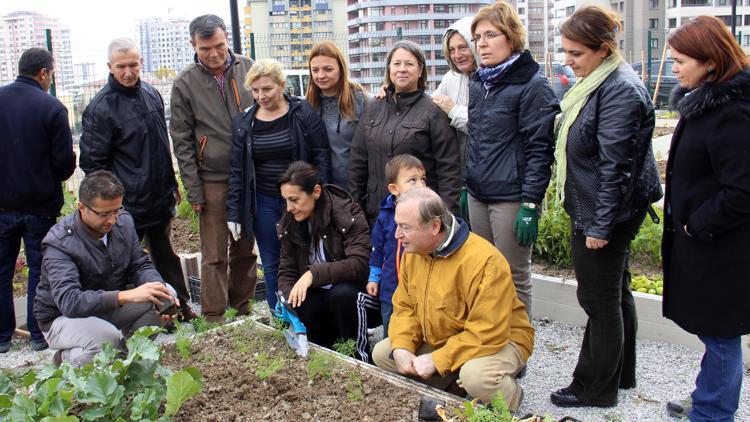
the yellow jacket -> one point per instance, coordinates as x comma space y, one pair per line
461, 301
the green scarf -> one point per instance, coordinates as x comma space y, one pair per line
571, 106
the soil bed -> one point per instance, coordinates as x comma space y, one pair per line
183, 239
252, 374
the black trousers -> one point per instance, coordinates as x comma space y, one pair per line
157, 239
607, 358
338, 313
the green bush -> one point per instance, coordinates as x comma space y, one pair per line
185, 210
553, 242
646, 247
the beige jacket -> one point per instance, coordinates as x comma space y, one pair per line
201, 123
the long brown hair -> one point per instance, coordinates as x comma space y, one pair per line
707, 38
347, 90
593, 27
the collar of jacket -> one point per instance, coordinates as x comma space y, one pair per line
233, 62
519, 72
709, 95
28, 81
402, 99
294, 104
389, 203
130, 91
84, 233
329, 191
459, 238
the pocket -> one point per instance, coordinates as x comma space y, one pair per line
412, 132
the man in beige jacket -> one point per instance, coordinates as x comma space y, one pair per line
206, 96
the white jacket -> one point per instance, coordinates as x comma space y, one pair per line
456, 86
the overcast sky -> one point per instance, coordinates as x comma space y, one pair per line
94, 23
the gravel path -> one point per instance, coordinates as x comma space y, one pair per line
665, 372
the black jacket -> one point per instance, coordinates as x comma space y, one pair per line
36, 149
707, 272
511, 138
611, 170
81, 276
346, 242
310, 144
124, 131
408, 123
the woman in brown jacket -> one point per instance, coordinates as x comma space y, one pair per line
325, 250
406, 121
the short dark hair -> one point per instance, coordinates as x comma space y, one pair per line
100, 184
204, 26
402, 161
33, 60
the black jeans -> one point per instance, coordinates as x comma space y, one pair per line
607, 358
337, 313
157, 239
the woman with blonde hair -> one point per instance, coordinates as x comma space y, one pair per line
271, 134
511, 120
607, 178
707, 211
338, 101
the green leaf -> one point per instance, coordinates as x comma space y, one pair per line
28, 379
101, 388
147, 332
60, 419
195, 373
6, 384
95, 414
180, 387
48, 371
143, 372
106, 356
145, 406
6, 401
22, 409
143, 347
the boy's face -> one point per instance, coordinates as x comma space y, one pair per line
408, 178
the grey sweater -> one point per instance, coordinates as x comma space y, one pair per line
340, 133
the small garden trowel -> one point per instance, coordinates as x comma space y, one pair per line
296, 334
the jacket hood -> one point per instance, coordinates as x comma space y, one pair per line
709, 95
389, 203
459, 237
463, 27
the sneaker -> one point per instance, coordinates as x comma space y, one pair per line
39, 345
4, 347
680, 408
57, 358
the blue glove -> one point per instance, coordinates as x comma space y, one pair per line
282, 312
375, 274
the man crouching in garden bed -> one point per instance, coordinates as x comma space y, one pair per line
88, 260
456, 315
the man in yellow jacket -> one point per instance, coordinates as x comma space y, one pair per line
456, 315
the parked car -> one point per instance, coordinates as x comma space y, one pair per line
561, 77
667, 83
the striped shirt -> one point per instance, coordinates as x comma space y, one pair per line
272, 153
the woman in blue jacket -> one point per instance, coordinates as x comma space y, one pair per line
271, 134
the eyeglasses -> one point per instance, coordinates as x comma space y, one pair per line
487, 36
106, 214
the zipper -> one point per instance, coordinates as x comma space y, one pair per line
424, 308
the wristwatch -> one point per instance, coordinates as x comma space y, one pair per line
530, 205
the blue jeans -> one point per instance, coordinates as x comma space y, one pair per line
15, 226
717, 388
386, 309
269, 210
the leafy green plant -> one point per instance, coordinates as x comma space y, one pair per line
184, 338
646, 247
110, 388
346, 347
70, 202
185, 210
319, 365
278, 323
553, 242
268, 366
496, 411
201, 325
354, 386
230, 314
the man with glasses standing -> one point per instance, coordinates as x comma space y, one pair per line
97, 284
37, 156
125, 132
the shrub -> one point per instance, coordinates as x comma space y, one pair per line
185, 210
553, 242
646, 247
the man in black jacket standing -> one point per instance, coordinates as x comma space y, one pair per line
37, 156
125, 132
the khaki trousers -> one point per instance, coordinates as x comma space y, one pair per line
494, 222
481, 377
221, 288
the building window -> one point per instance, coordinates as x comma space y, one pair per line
521, 10
696, 3
747, 20
622, 6
721, 3
622, 44
422, 8
653, 4
654, 43
406, 10
653, 23
423, 24
747, 39
672, 23
570, 10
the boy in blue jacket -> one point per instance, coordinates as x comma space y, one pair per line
403, 172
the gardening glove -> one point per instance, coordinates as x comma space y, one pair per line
235, 229
463, 204
526, 226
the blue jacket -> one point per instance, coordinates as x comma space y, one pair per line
310, 144
37, 149
384, 245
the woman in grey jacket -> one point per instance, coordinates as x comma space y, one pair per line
339, 101
511, 120
607, 174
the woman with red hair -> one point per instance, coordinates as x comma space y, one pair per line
707, 211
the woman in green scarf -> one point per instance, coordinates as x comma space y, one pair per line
607, 179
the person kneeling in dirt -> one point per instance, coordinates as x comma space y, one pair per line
456, 314
90, 258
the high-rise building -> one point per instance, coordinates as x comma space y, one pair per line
20, 31
84, 72
538, 17
285, 30
375, 26
165, 44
